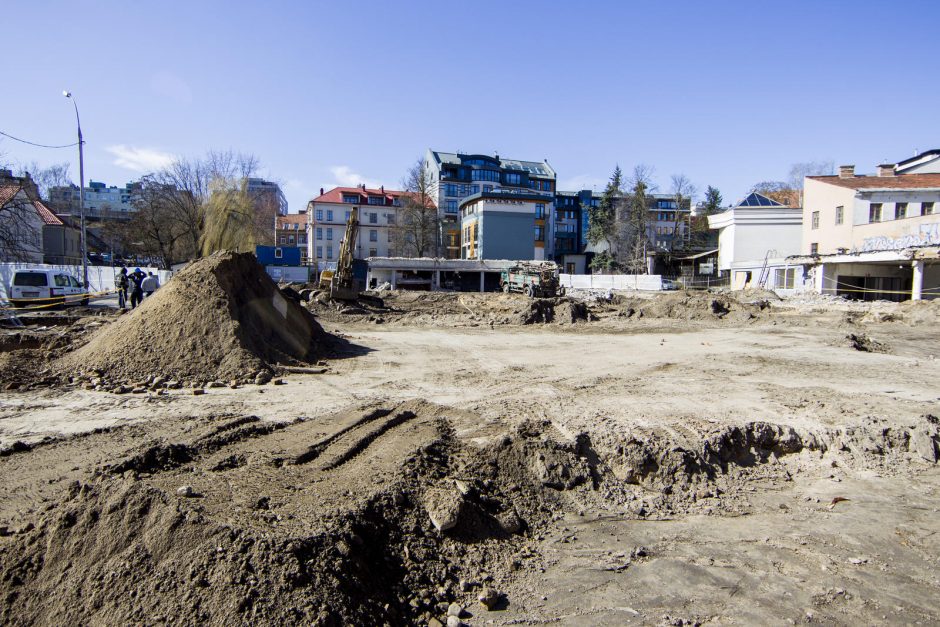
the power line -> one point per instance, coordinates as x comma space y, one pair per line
35, 144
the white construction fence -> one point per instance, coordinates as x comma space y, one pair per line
645, 282
100, 278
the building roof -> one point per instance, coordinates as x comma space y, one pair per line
534, 168
899, 181
336, 194
927, 155
46, 214
291, 218
9, 192
755, 199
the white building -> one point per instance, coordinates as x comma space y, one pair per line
326, 223
875, 236
755, 237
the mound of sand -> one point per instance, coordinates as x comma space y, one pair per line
690, 306
222, 317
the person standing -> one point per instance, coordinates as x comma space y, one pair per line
150, 284
120, 282
134, 288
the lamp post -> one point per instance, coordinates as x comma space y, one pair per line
81, 188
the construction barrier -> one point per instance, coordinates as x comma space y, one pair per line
645, 282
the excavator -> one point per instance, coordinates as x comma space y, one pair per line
340, 282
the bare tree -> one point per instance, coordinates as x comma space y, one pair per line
779, 191
230, 222
798, 171
153, 230
55, 175
682, 191
20, 225
633, 221
418, 225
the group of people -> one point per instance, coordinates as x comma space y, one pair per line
135, 286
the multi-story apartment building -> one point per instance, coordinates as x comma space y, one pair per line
458, 176
267, 196
326, 223
101, 201
875, 236
572, 219
290, 231
505, 223
668, 222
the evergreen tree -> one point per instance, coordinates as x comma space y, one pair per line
637, 237
602, 220
713, 201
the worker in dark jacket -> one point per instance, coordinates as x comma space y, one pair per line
121, 282
134, 288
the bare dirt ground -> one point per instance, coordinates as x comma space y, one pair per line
662, 460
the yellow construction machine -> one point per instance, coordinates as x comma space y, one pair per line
340, 282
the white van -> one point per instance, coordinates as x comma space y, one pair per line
33, 288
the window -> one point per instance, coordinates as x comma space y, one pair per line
373, 218
540, 233
301, 239
451, 206
539, 211
485, 175
376, 200
451, 239
283, 239
487, 188
450, 189
290, 240
329, 215
511, 178
815, 220
348, 213
329, 252
926, 208
373, 252
390, 217
474, 189
319, 252
900, 210
814, 248
373, 235
62, 280
319, 233
874, 212
329, 234
784, 278
352, 199
389, 236
840, 214
278, 253
319, 215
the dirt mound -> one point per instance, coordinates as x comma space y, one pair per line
690, 306
453, 309
222, 317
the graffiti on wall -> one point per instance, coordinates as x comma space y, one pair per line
928, 235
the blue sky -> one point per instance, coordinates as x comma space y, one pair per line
728, 93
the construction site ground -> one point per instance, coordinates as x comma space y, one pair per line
638, 460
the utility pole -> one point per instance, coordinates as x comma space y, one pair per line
81, 188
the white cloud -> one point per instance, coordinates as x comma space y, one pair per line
582, 181
171, 86
343, 176
140, 159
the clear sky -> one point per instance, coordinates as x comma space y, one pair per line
342, 92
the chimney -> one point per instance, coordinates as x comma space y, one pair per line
886, 169
846, 171
321, 191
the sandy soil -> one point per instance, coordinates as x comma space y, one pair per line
665, 472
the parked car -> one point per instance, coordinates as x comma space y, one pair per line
33, 288
669, 284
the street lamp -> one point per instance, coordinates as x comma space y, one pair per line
81, 188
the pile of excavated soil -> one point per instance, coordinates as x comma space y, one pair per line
387, 517
453, 309
689, 306
221, 317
